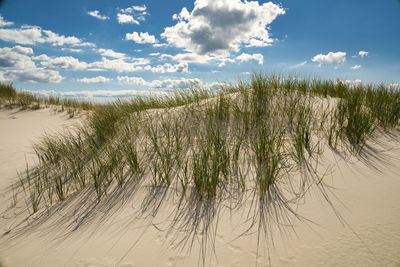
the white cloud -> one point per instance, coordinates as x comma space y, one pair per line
154, 54
64, 63
363, 54
167, 84
125, 18
101, 93
73, 50
16, 64
5, 23
217, 27
110, 53
184, 15
134, 8
247, 57
141, 38
132, 14
196, 58
30, 35
160, 45
356, 67
120, 65
299, 65
98, 79
16, 58
96, 14
394, 85
25, 35
36, 75
330, 58
180, 67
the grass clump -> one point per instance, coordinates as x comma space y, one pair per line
251, 136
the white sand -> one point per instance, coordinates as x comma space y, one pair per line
368, 199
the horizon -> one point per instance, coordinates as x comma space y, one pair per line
135, 47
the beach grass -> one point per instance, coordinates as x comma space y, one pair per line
255, 136
10, 97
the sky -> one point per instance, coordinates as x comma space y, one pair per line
119, 48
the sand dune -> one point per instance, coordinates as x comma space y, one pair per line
367, 200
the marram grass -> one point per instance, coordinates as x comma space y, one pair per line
205, 146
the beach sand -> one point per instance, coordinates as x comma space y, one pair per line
366, 195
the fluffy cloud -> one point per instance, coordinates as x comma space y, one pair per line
363, 53
96, 14
330, 58
16, 58
120, 65
184, 15
134, 8
141, 38
356, 67
125, 18
111, 53
73, 50
102, 93
36, 75
132, 14
17, 64
64, 63
247, 57
166, 84
98, 79
30, 35
217, 27
180, 67
4, 23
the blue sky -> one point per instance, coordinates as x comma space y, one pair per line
116, 48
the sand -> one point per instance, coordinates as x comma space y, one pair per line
367, 198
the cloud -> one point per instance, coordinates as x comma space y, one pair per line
134, 8
101, 93
64, 63
166, 84
98, 79
110, 53
120, 65
356, 67
298, 65
125, 18
132, 14
394, 85
4, 23
16, 58
363, 54
196, 58
154, 54
30, 35
73, 50
169, 84
141, 38
180, 67
330, 58
37, 75
16, 64
218, 27
247, 57
184, 15
96, 14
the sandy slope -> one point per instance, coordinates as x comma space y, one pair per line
367, 194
